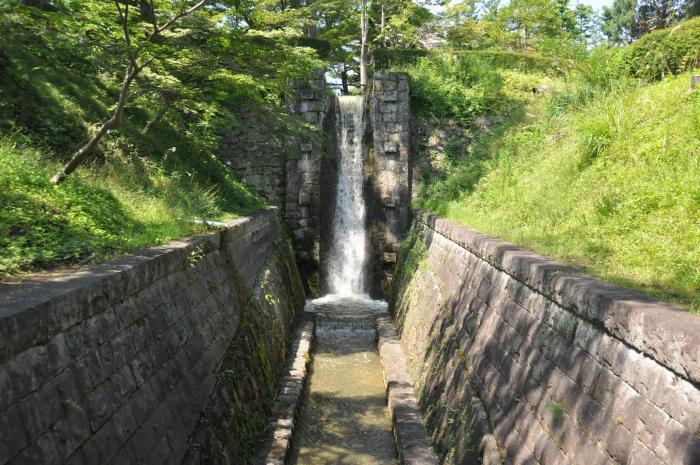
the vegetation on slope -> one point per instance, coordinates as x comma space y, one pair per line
613, 187
665, 52
97, 213
61, 68
598, 170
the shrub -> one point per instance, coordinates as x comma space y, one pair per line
666, 51
385, 58
458, 87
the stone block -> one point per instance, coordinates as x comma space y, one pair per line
391, 147
311, 117
304, 198
694, 81
388, 85
306, 94
390, 96
389, 202
390, 117
14, 438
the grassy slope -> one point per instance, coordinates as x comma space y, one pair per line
613, 186
137, 190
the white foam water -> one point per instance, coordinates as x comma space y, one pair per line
347, 258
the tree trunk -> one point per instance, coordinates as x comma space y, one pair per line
310, 28
146, 11
111, 123
344, 80
311, 31
382, 23
363, 47
147, 128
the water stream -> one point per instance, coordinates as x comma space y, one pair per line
345, 419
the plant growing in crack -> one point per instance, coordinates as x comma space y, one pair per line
195, 256
558, 409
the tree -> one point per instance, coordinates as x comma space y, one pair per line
618, 21
627, 20
139, 56
587, 24
532, 20
363, 45
404, 24
656, 14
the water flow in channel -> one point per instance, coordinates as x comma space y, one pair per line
345, 419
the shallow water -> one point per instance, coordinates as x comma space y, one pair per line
345, 419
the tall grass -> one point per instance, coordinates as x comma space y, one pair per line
102, 210
609, 182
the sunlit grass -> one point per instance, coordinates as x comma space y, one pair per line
100, 211
613, 187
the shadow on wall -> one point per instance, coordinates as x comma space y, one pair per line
568, 368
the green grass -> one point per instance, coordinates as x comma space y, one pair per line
101, 211
608, 181
136, 190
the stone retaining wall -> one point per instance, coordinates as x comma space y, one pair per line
569, 369
164, 355
299, 173
285, 167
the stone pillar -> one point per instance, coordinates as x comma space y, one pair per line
388, 175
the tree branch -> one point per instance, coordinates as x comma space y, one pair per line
124, 16
132, 71
175, 18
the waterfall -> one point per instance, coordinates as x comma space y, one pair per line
347, 260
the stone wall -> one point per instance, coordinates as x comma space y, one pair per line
303, 177
300, 177
435, 144
286, 169
566, 368
165, 355
388, 172
257, 156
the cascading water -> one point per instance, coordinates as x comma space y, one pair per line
347, 261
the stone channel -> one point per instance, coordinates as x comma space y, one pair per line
349, 399
206, 351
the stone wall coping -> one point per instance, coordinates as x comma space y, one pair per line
667, 334
52, 302
412, 440
279, 433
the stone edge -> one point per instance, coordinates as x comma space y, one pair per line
667, 334
49, 303
277, 442
412, 441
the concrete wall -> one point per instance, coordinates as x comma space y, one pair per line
165, 355
566, 368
